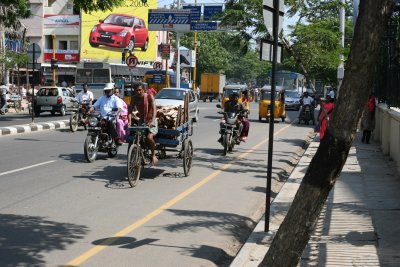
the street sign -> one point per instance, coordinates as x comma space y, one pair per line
131, 61
35, 66
169, 20
157, 66
165, 51
195, 12
211, 11
268, 8
34, 51
204, 26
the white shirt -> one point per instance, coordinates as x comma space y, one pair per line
331, 94
82, 96
307, 100
105, 104
3, 90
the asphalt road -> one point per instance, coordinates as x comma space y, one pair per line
56, 209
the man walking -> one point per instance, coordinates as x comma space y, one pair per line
3, 95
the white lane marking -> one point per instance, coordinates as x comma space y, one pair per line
27, 167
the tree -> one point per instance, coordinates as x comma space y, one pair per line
294, 232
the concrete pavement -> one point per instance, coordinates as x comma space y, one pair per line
359, 225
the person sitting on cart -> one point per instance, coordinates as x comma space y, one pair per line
233, 105
142, 110
306, 101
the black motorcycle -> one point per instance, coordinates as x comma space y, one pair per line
230, 129
99, 138
79, 116
307, 114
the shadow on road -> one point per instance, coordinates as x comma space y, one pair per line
23, 239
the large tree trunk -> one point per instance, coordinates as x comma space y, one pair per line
294, 232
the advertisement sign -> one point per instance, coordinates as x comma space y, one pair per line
62, 55
106, 34
60, 20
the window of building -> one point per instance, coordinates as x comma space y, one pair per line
63, 45
73, 45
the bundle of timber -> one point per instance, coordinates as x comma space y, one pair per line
170, 117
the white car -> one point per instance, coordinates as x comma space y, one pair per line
175, 97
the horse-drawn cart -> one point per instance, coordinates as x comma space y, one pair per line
170, 143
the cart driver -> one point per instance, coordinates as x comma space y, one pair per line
142, 110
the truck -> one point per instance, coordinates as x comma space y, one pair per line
211, 85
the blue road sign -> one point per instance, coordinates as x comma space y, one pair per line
204, 26
210, 11
170, 17
195, 12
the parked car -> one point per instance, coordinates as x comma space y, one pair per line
54, 99
292, 100
175, 97
120, 30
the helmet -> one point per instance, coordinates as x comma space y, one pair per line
108, 86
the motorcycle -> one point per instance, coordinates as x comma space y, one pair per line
79, 116
230, 129
99, 138
307, 115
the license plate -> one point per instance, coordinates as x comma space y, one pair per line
105, 36
46, 108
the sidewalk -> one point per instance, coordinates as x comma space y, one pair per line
359, 225
29, 127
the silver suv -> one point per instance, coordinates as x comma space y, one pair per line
54, 99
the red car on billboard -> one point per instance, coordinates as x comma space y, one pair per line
120, 30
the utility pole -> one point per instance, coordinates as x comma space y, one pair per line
54, 57
178, 60
340, 70
356, 4
194, 85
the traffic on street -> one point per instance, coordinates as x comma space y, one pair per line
57, 209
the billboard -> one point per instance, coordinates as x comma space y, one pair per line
105, 35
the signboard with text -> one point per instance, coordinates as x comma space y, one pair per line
169, 20
211, 11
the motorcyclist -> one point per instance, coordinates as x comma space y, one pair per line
105, 104
85, 96
306, 101
233, 106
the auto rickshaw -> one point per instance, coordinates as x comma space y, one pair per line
241, 90
265, 102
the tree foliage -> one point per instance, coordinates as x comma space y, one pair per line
101, 5
314, 38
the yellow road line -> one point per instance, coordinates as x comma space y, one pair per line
93, 251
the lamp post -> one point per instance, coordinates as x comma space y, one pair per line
273, 16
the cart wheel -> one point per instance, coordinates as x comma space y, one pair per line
187, 156
134, 165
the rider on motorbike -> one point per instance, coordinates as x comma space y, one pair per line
233, 105
105, 104
306, 101
85, 95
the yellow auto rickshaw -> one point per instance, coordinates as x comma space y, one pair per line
241, 90
265, 102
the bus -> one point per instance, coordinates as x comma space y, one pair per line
290, 80
97, 74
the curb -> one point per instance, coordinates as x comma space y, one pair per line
33, 127
256, 247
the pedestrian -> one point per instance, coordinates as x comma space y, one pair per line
325, 115
151, 91
368, 119
3, 98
